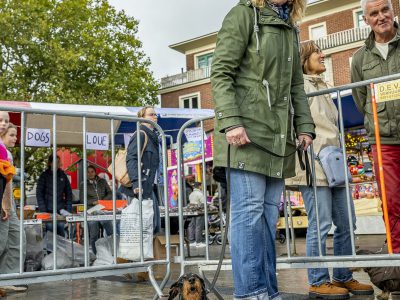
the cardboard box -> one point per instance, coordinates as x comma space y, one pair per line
159, 246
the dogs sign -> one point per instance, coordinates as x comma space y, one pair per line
37, 137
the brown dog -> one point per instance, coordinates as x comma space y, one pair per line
188, 287
385, 278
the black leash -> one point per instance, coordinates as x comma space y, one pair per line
303, 165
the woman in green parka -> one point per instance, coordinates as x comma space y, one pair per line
258, 92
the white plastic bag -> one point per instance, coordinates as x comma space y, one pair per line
105, 251
63, 261
129, 241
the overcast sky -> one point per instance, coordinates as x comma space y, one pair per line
166, 22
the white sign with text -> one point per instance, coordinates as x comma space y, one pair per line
97, 141
194, 134
37, 137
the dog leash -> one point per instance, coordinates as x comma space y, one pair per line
303, 165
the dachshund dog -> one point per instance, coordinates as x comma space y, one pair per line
188, 287
385, 278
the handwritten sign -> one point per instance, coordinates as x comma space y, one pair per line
387, 91
97, 141
36, 137
127, 138
194, 134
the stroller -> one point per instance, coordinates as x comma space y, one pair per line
214, 228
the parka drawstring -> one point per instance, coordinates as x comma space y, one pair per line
266, 85
256, 29
291, 119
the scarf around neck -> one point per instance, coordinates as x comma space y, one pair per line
283, 11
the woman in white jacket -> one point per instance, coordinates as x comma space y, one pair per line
332, 202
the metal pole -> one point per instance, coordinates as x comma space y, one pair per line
203, 164
314, 178
166, 212
292, 233
22, 196
55, 170
342, 141
85, 205
285, 213
139, 162
114, 194
180, 199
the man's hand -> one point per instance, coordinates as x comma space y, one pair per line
237, 137
307, 140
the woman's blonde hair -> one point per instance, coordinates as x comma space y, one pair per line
142, 112
306, 49
10, 126
296, 13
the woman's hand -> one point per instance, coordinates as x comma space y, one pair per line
5, 214
237, 136
307, 140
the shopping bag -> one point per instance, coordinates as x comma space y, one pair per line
129, 241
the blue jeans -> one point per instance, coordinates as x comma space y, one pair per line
60, 228
255, 202
332, 207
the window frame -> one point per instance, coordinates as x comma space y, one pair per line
311, 27
190, 96
355, 18
198, 55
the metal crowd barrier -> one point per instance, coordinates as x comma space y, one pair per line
88, 271
204, 263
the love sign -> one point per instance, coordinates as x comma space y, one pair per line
97, 141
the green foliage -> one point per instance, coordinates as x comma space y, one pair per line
35, 162
72, 51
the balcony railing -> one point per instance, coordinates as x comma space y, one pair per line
343, 37
185, 77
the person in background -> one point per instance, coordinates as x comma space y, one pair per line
44, 193
97, 189
259, 97
9, 224
196, 226
380, 56
332, 202
150, 164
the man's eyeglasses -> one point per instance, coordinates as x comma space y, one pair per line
151, 115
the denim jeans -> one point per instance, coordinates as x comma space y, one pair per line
332, 207
60, 228
94, 229
255, 202
195, 229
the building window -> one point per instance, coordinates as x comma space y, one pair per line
317, 31
204, 61
358, 19
190, 101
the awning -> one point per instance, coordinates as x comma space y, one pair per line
69, 129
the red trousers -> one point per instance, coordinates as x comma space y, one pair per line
391, 171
